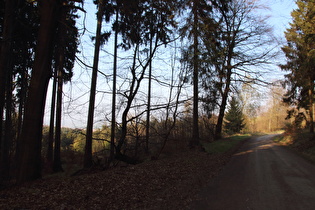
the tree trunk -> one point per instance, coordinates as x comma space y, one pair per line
23, 94
60, 59
57, 159
195, 136
311, 95
120, 156
50, 143
89, 130
29, 153
147, 129
231, 45
218, 129
113, 123
6, 45
133, 90
8, 129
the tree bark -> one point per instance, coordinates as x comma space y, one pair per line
113, 123
311, 95
8, 128
231, 39
50, 143
23, 94
29, 153
147, 129
218, 129
60, 60
6, 45
89, 130
57, 159
195, 136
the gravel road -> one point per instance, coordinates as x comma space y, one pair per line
261, 175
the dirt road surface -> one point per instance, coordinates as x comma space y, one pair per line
261, 176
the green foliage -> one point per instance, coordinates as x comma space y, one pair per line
224, 145
140, 19
299, 52
205, 28
234, 120
74, 139
79, 143
68, 35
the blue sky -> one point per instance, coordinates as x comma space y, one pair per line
280, 13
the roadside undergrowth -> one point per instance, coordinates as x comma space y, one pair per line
302, 142
224, 145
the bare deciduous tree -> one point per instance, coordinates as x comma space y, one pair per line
245, 43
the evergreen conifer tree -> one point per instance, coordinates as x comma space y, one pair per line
300, 55
234, 120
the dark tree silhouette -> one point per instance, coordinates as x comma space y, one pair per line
29, 153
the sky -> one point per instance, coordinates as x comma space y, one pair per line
76, 93
280, 13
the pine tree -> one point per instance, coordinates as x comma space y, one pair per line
234, 120
300, 55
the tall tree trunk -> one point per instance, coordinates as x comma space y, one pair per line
5, 52
195, 135
8, 129
50, 143
29, 153
57, 159
89, 129
311, 99
23, 94
218, 129
60, 59
113, 123
147, 129
231, 45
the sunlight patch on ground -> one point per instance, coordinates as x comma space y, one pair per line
244, 152
266, 146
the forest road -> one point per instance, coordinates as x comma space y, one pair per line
261, 176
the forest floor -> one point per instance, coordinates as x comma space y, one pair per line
171, 182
